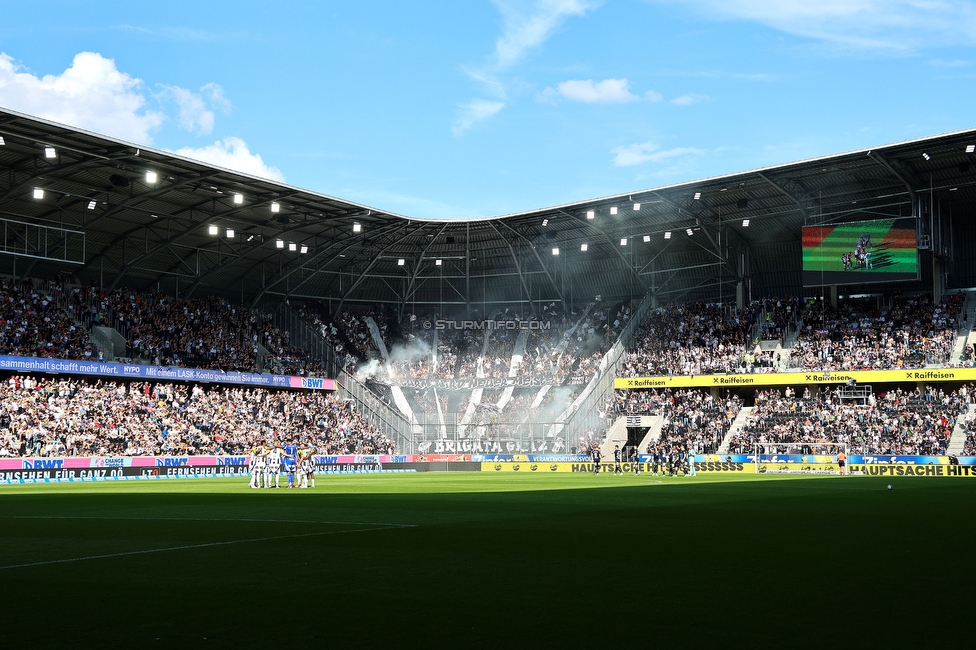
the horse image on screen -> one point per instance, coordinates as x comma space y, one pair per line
882, 250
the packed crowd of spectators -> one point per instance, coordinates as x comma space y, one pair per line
897, 422
62, 417
32, 324
696, 338
858, 334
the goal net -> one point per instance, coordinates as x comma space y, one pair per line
800, 458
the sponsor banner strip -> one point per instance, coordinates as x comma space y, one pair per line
796, 378
157, 373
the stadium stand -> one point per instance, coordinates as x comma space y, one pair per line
61, 417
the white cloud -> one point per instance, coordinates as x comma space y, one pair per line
232, 153
473, 112
640, 153
872, 24
608, 91
526, 27
91, 94
689, 99
196, 112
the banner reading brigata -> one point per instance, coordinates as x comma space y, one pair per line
795, 378
157, 373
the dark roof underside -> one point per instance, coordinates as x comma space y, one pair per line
147, 235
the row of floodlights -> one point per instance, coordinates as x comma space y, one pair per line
279, 243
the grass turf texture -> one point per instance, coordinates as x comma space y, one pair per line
489, 561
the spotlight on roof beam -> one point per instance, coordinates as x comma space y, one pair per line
304, 249
279, 244
545, 222
213, 230
970, 148
401, 262
250, 237
92, 204
613, 209
292, 246
438, 262
275, 207
647, 238
150, 177
230, 233
689, 231
555, 251
50, 152
238, 199
2, 142
590, 214
584, 247
745, 223
623, 241
637, 206
697, 195
667, 235
357, 227
926, 156
38, 193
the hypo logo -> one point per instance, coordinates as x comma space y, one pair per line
172, 462
44, 463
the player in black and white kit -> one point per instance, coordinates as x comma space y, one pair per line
595, 455
617, 469
635, 461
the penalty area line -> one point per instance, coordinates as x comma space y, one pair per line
191, 546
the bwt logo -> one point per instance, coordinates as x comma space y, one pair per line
42, 463
172, 462
313, 383
488, 324
232, 460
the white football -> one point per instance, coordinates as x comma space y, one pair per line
889, 487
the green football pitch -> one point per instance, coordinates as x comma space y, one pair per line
485, 560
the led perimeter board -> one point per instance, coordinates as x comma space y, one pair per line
881, 250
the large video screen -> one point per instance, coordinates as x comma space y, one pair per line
882, 250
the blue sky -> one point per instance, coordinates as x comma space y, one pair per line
462, 109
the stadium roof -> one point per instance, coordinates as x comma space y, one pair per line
102, 219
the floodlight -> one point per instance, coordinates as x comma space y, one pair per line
637, 206
623, 241
275, 207
647, 238
689, 231
92, 204
697, 195
2, 141
590, 214
555, 251
304, 249
401, 262
745, 223
613, 209
545, 222
213, 230
292, 247
250, 237
356, 227
50, 152
926, 156
38, 193
970, 148
279, 244
150, 177
667, 235
583, 247
230, 233
238, 199
437, 262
